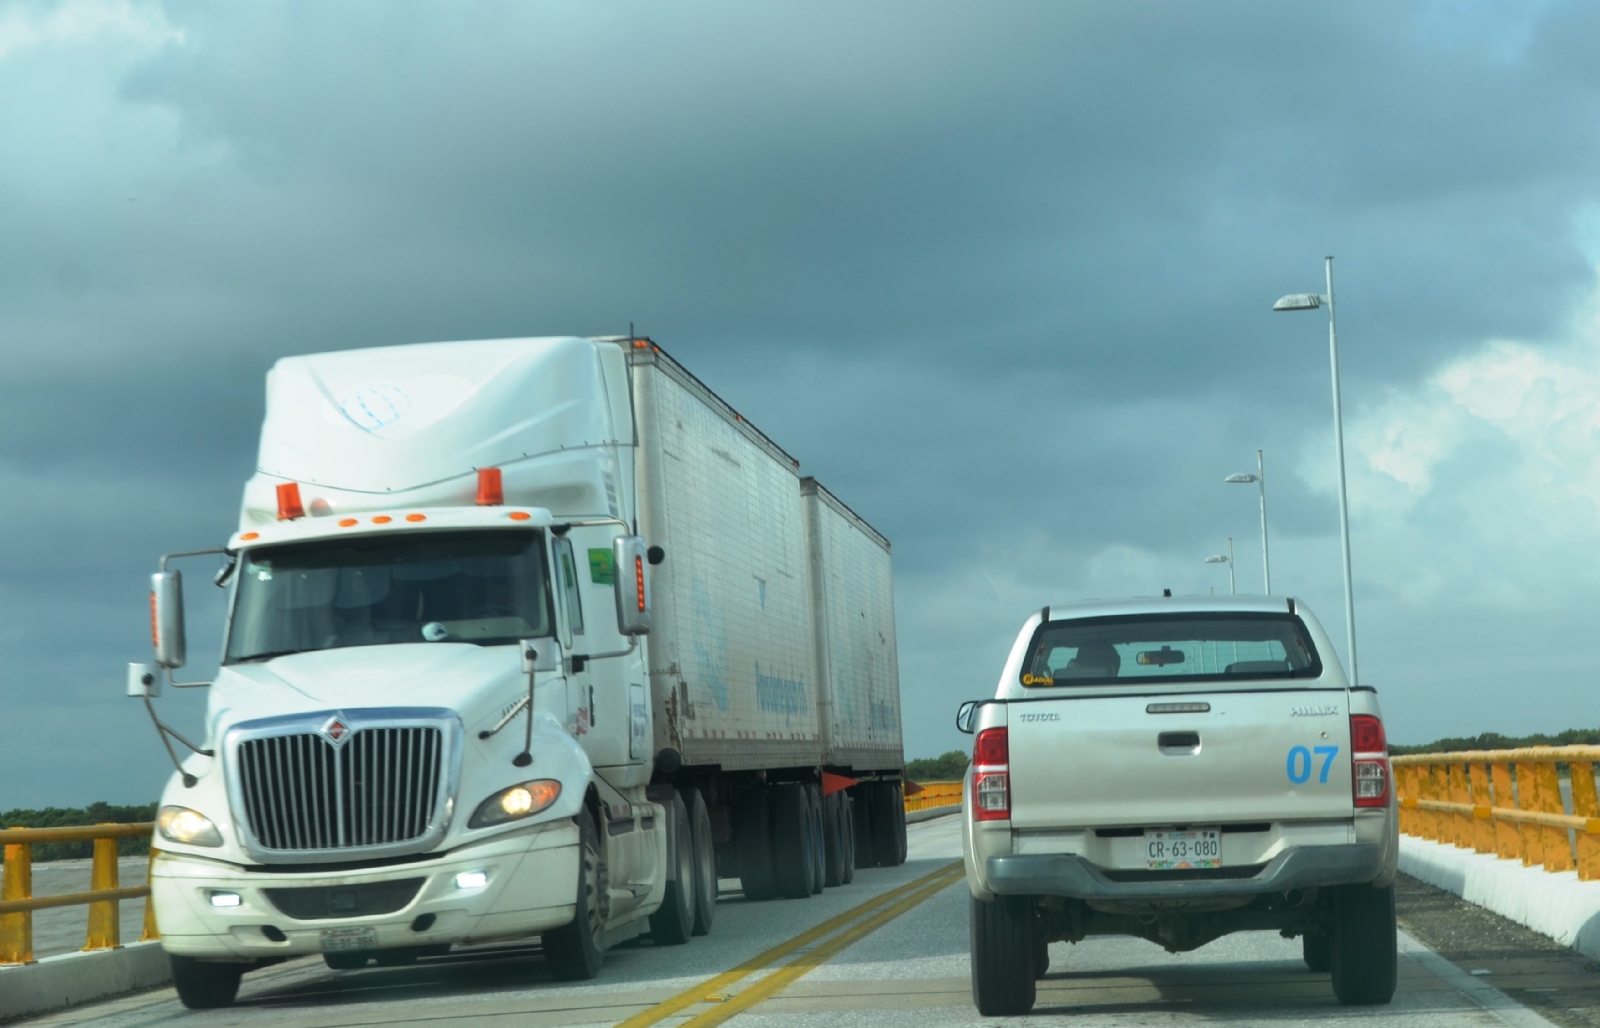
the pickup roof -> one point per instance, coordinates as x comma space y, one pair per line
1178, 769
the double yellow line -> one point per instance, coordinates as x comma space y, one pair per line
893, 903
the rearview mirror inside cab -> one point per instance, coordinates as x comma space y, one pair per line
1162, 657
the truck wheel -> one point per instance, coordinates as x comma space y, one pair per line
203, 986
673, 921
833, 840
752, 837
847, 829
819, 839
899, 824
574, 951
705, 860
793, 851
1364, 953
1002, 957
861, 826
347, 961
1317, 949
887, 830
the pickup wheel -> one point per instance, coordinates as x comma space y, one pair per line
1317, 949
794, 852
705, 860
752, 838
1364, 954
205, 986
574, 951
673, 922
1002, 957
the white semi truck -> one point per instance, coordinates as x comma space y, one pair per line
526, 637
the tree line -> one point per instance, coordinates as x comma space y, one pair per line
72, 817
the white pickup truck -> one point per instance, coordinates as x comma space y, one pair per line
1178, 769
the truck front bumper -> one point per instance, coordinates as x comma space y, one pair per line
1069, 875
531, 886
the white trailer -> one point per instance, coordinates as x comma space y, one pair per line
525, 637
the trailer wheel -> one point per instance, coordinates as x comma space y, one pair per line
752, 838
819, 838
847, 830
794, 852
673, 921
1002, 957
205, 986
901, 848
574, 951
705, 860
861, 825
888, 824
834, 830
1364, 953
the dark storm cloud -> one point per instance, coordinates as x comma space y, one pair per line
997, 273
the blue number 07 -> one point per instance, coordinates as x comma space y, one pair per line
1299, 764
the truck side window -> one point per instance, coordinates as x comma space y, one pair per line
567, 570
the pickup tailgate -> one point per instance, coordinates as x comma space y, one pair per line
1224, 758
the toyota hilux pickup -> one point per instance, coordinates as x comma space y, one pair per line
1178, 769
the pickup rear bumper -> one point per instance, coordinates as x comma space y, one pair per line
1303, 867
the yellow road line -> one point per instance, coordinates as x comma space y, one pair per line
699, 993
806, 962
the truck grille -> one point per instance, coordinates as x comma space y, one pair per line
301, 792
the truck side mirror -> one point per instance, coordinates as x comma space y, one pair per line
166, 618
967, 713
631, 584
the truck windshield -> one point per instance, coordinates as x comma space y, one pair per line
479, 587
1137, 649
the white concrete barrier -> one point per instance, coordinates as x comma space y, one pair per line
1554, 904
73, 978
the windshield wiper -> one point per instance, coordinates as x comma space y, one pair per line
265, 656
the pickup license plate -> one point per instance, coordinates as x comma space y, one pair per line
341, 940
1167, 850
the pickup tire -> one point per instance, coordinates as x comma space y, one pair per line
705, 860
794, 852
752, 839
1317, 950
575, 950
1002, 957
205, 986
1364, 953
673, 922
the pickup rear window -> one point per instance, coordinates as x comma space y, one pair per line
1135, 649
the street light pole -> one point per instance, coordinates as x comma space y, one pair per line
1259, 477
1306, 302
1233, 588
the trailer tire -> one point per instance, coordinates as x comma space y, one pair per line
752, 838
847, 828
576, 949
705, 860
673, 922
1364, 951
888, 824
834, 832
819, 838
794, 852
205, 986
861, 826
1003, 980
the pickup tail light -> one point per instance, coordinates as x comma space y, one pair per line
991, 778
1369, 761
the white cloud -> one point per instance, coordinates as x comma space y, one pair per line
24, 27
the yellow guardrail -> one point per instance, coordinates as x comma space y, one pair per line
17, 902
1506, 802
933, 794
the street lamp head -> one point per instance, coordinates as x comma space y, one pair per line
1300, 302
1218, 559
1240, 478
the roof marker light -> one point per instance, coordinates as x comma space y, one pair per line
520, 515
490, 494
382, 519
416, 517
246, 537
289, 506
346, 522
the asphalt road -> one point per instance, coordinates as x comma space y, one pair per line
902, 962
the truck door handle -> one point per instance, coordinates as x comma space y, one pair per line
1179, 744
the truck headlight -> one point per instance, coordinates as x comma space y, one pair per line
515, 803
180, 824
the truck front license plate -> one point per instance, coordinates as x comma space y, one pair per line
340, 940
1167, 850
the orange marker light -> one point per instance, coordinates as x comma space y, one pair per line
249, 535
638, 574
155, 626
289, 506
640, 344
416, 517
489, 492
346, 522
520, 515
382, 519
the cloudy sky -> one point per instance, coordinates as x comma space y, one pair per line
999, 274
